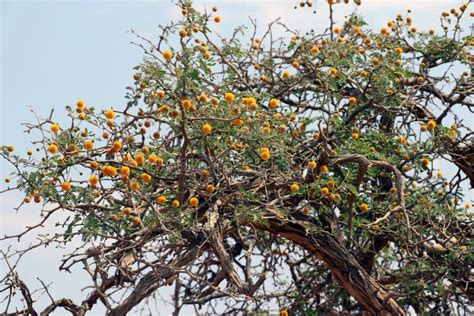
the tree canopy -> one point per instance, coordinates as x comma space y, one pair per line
251, 171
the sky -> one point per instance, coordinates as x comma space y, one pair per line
55, 52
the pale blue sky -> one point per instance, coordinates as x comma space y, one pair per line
53, 53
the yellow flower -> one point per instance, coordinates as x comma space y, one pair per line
161, 199
274, 103
229, 97
210, 188
55, 128
110, 114
194, 201
88, 145
136, 220
187, 104
294, 187
117, 145
207, 129
153, 158
315, 49
264, 153
124, 171
93, 180
140, 159
425, 162
53, 149
237, 122
111, 171
66, 186
146, 177
167, 55
134, 186
80, 104
363, 207
431, 124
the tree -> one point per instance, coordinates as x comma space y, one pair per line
299, 172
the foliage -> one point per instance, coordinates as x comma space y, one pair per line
235, 162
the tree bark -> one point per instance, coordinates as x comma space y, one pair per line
343, 266
153, 280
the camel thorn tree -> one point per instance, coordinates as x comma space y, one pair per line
257, 171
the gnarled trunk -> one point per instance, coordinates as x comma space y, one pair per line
343, 266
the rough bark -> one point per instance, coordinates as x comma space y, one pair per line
153, 280
343, 266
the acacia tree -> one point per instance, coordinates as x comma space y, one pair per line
250, 171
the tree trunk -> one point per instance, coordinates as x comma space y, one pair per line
343, 266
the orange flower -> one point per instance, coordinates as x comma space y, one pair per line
117, 145
294, 187
93, 180
264, 153
134, 186
194, 201
431, 124
229, 97
80, 104
167, 55
153, 158
161, 199
88, 145
66, 186
274, 103
425, 161
124, 171
140, 159
53, 149
55, 128
207, 129
210, 188
187, 104
110, 114
146, 177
